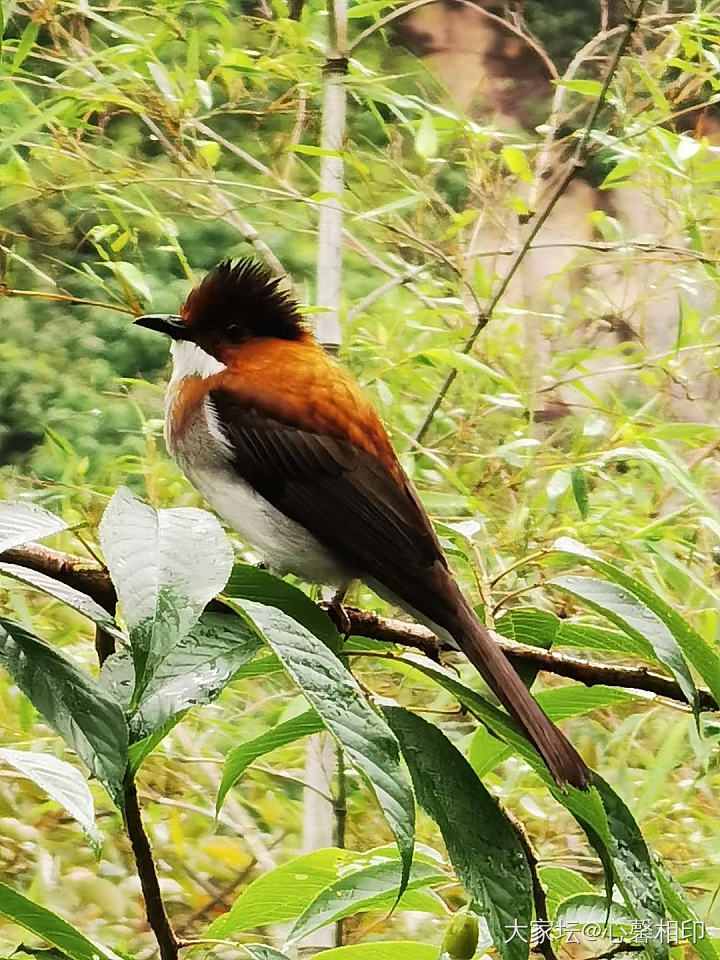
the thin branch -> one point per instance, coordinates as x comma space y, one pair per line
77, 572
61, 298
575, 164
154, 906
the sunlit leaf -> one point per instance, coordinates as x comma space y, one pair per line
24, 522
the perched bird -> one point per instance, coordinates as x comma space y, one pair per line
283, 444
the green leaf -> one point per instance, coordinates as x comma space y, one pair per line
529, 625
258, 951
697, 651
79, 601
426, 138
634, 869
24, 522
166, 566
576, 700
628, 612
364, 736
371, 888
591, 915
486, 752
588, 88
50, 927
285, 892
61, 782
560, 884
27, 40
580, 491
131, 276
517, 163
239, 759
72, 703
483, 845
250, 583
680, 910
196, 670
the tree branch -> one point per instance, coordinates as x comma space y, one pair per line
83, 575
575, 164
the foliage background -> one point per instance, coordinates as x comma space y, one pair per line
143, 143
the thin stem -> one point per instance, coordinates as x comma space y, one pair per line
340, 814
63, 298
154, 906
575, 164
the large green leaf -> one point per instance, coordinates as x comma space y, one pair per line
332, 690
585, 806
561, 883
285, 892
541, 628
50, 927
634, 868
483, 845
62, 783
74, 704
238, 760
695, 648
371, 888
79, 601
628, 612
24, 522
250, 583
166, 566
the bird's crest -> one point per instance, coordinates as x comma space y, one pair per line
243, 300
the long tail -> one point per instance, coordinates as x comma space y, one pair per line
562, 759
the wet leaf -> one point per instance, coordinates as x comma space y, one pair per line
628, 612
79, 601
72, 702
62, 783
483, 845
239, 759
333, 691
25, 522
50, 927
166, 566
372, 888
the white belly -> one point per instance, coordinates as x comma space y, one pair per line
285, 546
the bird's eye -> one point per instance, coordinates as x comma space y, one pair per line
233, 331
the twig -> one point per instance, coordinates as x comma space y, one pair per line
76, 572
62, 298
574, 165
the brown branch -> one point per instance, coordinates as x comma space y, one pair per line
154, 906
83, 575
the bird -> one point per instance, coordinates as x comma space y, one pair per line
283, 444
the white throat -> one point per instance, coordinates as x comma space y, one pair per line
190, 360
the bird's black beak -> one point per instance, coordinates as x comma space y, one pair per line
166, 323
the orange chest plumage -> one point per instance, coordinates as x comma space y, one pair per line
291, 382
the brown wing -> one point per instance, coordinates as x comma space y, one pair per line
343, 495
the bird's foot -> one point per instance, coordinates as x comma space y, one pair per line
338, 614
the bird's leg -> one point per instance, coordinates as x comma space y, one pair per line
338, 614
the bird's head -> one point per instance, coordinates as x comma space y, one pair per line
232, 305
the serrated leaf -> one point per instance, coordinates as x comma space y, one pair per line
372, 888
694, 647
50, 927
166, 566
25, 522
680, 910
239, 759
332, 690
483, 845
79, 601
61, 782
630, 614
72, 703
